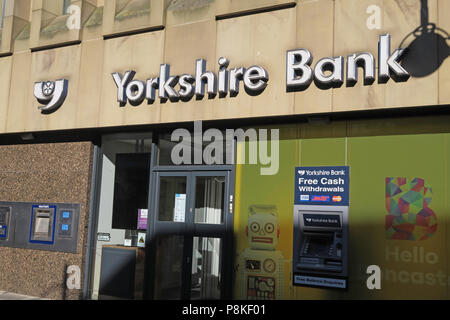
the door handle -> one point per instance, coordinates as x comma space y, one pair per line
231, 204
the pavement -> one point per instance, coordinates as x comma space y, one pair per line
14, 296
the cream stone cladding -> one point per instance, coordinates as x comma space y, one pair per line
178, 32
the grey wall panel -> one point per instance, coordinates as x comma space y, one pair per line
118, 273
63, 227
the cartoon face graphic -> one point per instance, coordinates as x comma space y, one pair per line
409, 215
262, 231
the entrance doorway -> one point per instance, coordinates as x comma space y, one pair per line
182, 213
191, 235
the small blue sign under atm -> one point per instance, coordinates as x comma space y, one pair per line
322, 185
65, 227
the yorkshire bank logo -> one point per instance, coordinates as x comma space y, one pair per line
51, 94
409, 215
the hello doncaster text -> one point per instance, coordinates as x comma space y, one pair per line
327, 73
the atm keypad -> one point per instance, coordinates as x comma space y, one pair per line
318, 247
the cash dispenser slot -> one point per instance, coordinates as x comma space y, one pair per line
42, 225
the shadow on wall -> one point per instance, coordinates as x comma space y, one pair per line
400, 280
363, 247
429, 48
58, 290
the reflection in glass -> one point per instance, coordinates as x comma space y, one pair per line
206, 271
66, 5
130, 188
172, 199
209, 200
169, 263
124, 190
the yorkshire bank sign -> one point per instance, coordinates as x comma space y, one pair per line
327, 73
300, 73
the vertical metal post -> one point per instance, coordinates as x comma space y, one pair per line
93, 221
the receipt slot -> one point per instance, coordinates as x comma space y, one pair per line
320, 241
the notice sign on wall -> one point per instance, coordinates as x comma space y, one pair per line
142, 219
320, 282
322, 186
180, 207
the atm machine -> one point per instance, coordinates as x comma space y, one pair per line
40, 226
320, 246
320, 241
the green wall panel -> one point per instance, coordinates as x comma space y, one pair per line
411, 268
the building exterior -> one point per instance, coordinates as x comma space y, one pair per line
94, 205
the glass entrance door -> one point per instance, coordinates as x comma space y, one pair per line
190, 235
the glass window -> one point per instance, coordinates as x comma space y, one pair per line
66, 4
209, 199
131, 182
122, 220
169, 268
172, 199
206, 270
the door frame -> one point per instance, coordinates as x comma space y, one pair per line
94, 206
149, 269
227, 262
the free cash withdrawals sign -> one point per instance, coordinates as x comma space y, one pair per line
322, 185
